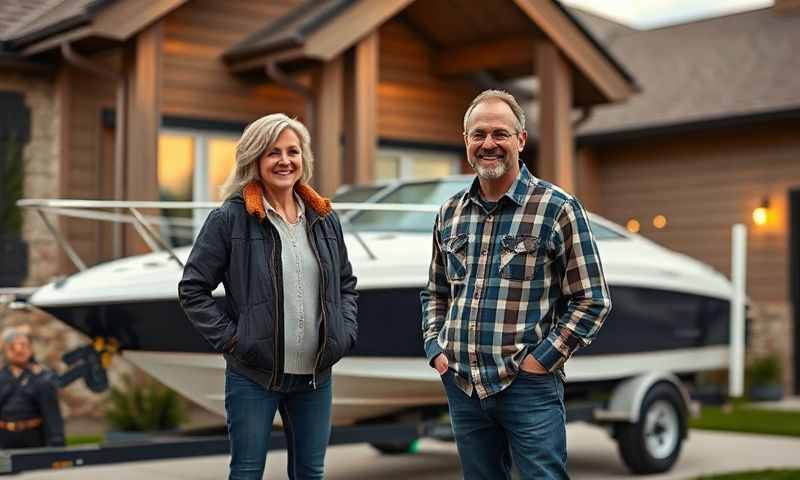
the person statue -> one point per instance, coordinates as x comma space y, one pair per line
29, 411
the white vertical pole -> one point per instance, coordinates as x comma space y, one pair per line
738, 277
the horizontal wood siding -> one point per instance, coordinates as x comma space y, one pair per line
413, 103
196, 83
703, 184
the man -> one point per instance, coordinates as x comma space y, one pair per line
29, 411
515, 288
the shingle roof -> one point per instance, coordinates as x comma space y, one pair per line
289, 30
736, 65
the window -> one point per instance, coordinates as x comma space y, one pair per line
431, 193
415, 164
192, 165
604, 233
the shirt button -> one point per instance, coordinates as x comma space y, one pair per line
477, 294
484, 252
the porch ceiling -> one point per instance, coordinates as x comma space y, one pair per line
495, 37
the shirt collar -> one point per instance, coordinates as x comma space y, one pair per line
517, 192
300, 206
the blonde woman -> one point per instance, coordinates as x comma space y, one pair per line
290, 307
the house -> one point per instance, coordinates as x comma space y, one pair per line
144, 99
713, 135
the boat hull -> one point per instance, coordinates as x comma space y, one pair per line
647, 330
365, 388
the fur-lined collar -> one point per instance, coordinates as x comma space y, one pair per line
253, 193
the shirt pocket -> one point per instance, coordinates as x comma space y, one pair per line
455, 250
518, 256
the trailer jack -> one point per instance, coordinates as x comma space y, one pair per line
90, 363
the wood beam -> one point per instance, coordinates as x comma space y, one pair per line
143, 119
121, 20
328, 86
556, 156
516, 50
365, 108
577, 48
358, 21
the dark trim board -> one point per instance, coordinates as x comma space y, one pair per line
610, 137
642, 320
794, 276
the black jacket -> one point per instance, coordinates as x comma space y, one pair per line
238, 247
32, 395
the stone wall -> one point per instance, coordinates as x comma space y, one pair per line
41, 156
771, 332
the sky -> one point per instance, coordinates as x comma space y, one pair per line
644, 14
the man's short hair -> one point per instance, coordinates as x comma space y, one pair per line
503, 96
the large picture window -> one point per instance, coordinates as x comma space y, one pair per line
192, 165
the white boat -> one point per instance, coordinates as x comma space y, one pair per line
671, 312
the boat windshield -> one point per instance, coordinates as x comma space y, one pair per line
431, 193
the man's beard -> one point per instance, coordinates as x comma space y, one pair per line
490, 173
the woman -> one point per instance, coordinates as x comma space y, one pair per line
29, 411
290, 305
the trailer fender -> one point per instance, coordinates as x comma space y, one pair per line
627, 397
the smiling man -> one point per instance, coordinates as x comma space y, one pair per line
515, 288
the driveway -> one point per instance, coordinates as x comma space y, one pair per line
592, 455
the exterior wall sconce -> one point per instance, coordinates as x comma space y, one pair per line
659, 221
761, 213
633, 225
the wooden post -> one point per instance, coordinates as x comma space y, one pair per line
556, 156
365, 108
142, 125
63, 89
329, 87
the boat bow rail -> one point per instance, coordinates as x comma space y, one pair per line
98, 210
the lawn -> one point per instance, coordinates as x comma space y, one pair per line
83, 439
749, 420
759, 475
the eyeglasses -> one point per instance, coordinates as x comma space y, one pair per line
499, 136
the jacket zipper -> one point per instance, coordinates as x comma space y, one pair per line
277, 321
321, 302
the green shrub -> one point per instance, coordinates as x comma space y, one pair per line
144, 406
11, 186
764, 371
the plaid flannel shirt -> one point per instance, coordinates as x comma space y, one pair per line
522, 278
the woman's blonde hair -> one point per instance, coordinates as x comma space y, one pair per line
257, 138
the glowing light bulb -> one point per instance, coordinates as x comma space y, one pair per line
760, 216
633, 225
659, 221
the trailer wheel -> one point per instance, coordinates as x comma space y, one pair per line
653, 444
397, 448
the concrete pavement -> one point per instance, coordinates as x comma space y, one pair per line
592, 455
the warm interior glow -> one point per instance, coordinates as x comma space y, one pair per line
221, 156
760, 216
659, 221
633, 225
175, 166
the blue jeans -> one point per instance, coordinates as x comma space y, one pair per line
525, 422
306, 415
